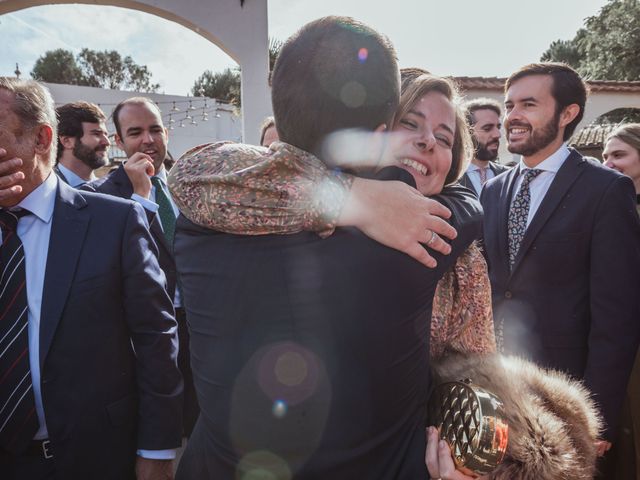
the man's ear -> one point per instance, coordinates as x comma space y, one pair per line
569, 113
44, 139
118, 141
381, 128
67, 141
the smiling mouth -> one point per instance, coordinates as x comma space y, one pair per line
415, 165
518, 130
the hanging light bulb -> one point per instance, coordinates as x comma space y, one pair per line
181, 124
193, 121
205, 116
191, 107
175, 108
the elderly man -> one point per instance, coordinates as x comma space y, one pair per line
89, 386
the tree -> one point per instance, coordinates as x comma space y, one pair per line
608, 45
58, 66
275, 46
106, 69
223, 85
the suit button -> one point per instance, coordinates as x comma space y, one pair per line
508, 294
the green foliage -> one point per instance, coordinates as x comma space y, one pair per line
275, 46
608, 45
105, 69
58, 66
224, 86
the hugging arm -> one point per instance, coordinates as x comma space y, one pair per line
249, 190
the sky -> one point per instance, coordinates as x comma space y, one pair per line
454, 37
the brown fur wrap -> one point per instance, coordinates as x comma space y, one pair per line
553, 422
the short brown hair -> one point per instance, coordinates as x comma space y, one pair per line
568, 88
484, 103
33, 105
462, 148
335, 73
132, 101
70, 119
628, 133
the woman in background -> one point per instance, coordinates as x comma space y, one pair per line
622, 153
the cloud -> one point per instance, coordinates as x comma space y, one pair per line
175, 55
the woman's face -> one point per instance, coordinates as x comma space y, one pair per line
622, 157
422, 141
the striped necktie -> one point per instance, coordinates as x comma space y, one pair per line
18, 419
482, 171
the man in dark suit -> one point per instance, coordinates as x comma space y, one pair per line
88, 374
83, 142
483, 116
143, 178
562, 240
310, 355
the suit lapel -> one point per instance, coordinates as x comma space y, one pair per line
68, 230
567, 174
125, 190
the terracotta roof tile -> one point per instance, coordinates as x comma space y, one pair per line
592, 135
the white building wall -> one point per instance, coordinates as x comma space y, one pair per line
223, 122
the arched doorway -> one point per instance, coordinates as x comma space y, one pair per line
238, 27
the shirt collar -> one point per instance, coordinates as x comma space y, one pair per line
162, 175
41, 201
550, 164
72, 178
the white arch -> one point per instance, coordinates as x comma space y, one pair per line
241, 31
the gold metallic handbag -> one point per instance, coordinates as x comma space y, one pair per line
471, 420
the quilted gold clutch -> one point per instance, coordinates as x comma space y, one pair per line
471, 420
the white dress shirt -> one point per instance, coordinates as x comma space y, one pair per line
473, 171
540, 185
72, 179
34, 232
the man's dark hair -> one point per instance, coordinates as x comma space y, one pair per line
70, 119
568, 88
476, 104
334, 73
115, 115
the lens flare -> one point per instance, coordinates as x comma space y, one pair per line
279, 408
363, 53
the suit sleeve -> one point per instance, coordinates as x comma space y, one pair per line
466, 218
150, 317
615, 299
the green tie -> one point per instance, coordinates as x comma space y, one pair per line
165, 210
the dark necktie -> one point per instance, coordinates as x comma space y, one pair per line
519, 213
18, 418
165, 210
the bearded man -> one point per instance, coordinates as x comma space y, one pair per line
483, 116
83, 142
562, 241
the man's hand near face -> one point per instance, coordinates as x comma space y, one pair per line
139, 169
10, 177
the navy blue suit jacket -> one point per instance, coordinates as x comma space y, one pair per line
572, 300
117, 183
108, 343
312, 351
496, 168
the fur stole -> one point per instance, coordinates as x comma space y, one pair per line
553, 422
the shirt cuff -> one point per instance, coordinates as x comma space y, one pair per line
157, 454
145, 202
